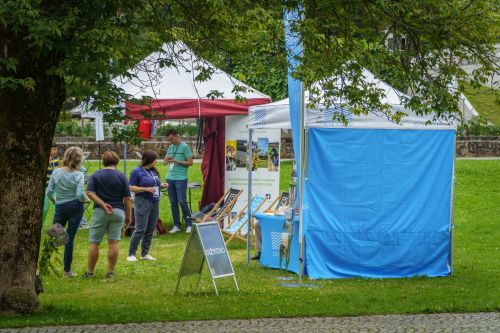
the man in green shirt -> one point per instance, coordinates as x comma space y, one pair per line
179, 157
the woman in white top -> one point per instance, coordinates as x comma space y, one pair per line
68, 183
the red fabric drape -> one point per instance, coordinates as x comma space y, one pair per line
212, 166
188, 108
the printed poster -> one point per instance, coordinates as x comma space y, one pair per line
265, 161
231, 155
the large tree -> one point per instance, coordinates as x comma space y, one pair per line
49, 49
53, 50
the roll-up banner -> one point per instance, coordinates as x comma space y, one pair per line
265, 162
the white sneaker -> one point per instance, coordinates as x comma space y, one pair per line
174, 230
131, 258
148, 257
188, 230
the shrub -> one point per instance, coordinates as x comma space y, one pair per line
478, 126
74, 128
186, 130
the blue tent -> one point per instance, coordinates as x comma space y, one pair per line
377, 202
378, 196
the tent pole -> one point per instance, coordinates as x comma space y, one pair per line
83, 136
125, 148
249, 206
452, 201
301, 184
463, 109
99, 152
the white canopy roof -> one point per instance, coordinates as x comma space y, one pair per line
178, 82
174, 91
277, 114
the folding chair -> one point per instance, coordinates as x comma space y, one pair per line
281, 200
233, 230
222, 208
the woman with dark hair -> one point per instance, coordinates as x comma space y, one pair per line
145, 183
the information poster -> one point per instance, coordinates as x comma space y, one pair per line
265, 161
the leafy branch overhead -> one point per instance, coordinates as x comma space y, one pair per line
416, 46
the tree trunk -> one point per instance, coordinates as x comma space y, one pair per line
27, 123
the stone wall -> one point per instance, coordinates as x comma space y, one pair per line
90, 145
466, 147
478, 147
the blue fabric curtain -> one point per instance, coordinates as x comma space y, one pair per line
377, 203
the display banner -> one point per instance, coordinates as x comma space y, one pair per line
265, 161
295, 89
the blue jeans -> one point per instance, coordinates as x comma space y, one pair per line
146, 215
71, 213
177, 196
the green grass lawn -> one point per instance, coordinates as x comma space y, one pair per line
144, 291
483, 100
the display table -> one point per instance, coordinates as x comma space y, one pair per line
272, 228
192, 186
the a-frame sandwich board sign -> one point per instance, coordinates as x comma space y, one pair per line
206, 243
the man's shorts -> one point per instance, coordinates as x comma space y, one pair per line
103, 223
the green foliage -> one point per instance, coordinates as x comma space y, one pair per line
144, 291
265, 74
74, 128
127, 134
85, 42
431, 39
184, 130
478, 126
50, 260
414, 45
264, 67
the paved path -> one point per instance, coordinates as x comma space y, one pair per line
454, 322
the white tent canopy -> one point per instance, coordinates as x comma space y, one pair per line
277, 114
178, 82
174, 90
85, 110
